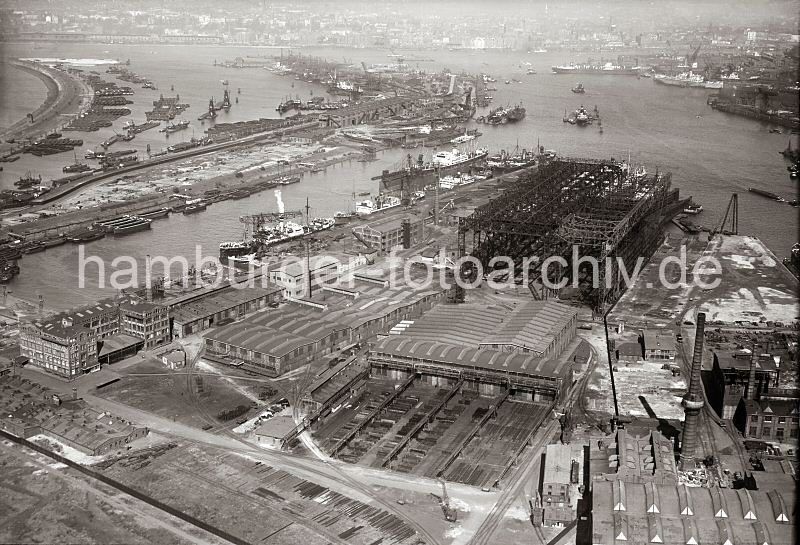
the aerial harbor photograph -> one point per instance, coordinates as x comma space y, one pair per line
443, 272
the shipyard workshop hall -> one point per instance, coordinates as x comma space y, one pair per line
494, 349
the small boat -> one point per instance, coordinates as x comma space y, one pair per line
693, 209
578, 89
194, 208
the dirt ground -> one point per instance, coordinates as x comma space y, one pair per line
43, 502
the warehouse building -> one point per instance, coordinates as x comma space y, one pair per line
544, 328
283, 339
490, 348
527, 376
196, 312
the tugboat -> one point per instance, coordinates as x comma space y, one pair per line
579, 89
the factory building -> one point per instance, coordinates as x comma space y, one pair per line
634, 459
389, 234
72, 343
730, 375
543, 328
628, 512
145, 320
490, 348
283, 339
559, 486
59, 346
293, 277
195, 312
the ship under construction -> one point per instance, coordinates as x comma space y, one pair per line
602, 209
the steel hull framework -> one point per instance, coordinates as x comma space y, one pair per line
593, 206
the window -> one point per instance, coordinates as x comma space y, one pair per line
781, 420
779, 433
767, 419
753, 431
766, 431
793, 433
754, 418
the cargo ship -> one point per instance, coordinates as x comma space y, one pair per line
608, 68
236, 248
416, 175
766, 194
381, 204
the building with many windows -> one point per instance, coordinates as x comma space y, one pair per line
60, 346
146, 320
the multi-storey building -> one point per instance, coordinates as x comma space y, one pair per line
60, 346
146, 320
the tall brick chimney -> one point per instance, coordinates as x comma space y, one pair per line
752, 386
693, 400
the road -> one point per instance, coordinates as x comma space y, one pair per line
353, 481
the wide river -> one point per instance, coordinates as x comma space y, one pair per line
710, 154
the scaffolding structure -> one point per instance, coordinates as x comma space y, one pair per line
603, 209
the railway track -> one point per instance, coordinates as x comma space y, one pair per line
287, 460
484, 534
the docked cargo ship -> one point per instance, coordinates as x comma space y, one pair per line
416, 175
608, 68
380, 204
236, 248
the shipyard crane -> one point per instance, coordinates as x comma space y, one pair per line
690, 60
450, 514
732, 213
253, 223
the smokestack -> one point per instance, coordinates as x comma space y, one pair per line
751, 379
693, 400
148, 290
280, 201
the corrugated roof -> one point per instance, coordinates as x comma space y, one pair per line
513, 362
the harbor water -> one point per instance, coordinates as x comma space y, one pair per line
710, 154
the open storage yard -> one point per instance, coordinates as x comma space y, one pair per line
225, 489
464, 441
